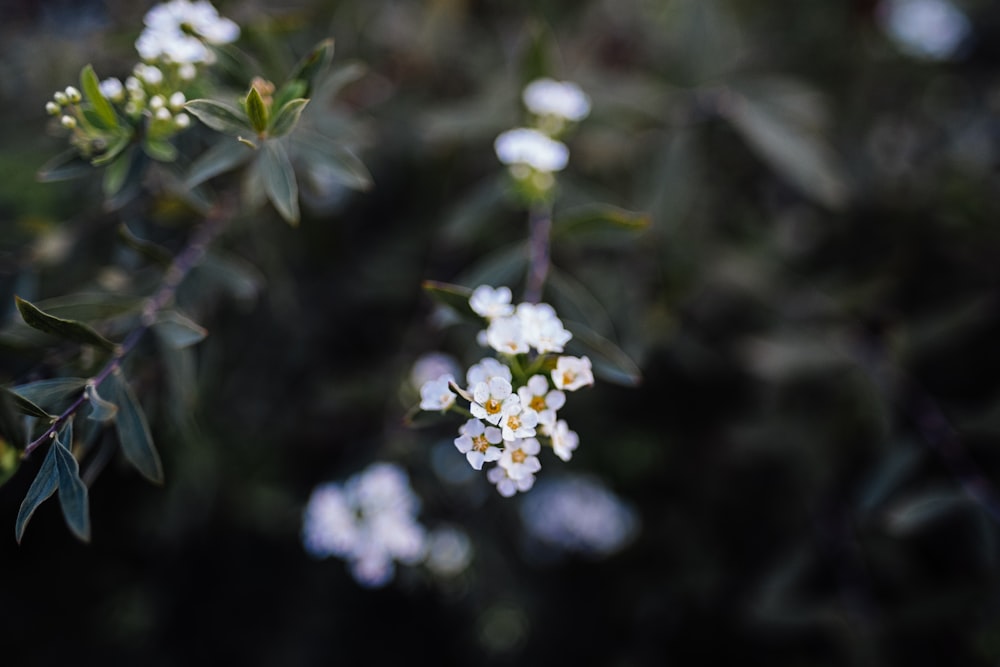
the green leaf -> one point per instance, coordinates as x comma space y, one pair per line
159, 150
116, 174
256, 111
178, 331
326, 155
45, 484
287, 117
151, 251
133, 431
288, 92
64, 166
73, 495
279, 181
915, 513
11, 423
219, 116
92, 91
77, 332
598, 220
220, 158
312, 65
609, 361
574, 301
121, 141
10, 460
100, 409
455, 297
49, 396
89, 306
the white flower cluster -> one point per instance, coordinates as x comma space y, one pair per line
536, 152
177, 32
514, 405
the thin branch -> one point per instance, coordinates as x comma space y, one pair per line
539, 230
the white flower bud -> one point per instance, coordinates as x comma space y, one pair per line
68, 122
73, 95
163, 114
52, 108
182, 121
60, 98
177, 101
156, 102
187, 71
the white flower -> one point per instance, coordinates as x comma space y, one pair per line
176, 31
329, 526
520, 458
537, 396
487, 369
931, 29
506, 335
113, 89
436, 394
518, 422
571, 373
479, 443
541, 328
565, 99
431, 366
493, 400
149, 73
177, 100
531, 147
491, 303
506, 485
564, 441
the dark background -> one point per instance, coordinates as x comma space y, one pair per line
812, 451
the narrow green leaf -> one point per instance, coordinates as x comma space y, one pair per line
77, 332
219, 116
10, 460
220, 158
287, 117
326, 156
292, 90
133, 431
51, 396
915, 513
45, 484
116, 174
91, 306
160, 150
151, 251
598, 219
574, 301
313, 65
455, 297
100, 409
11, 422
256, 111
178, 331
279, 181
74, 498
64, 166
609, 361
25, 407
121, 141
92, 91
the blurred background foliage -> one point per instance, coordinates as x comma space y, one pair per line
814, 310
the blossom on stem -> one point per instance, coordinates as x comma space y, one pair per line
479, 443
541, 327
518, 422
564, 441
493, 400
506, 335
437, 394
506, 485
177, 31
487, 369
520, 458
548, 97
537, 395
491, 303
571, 373
525, 146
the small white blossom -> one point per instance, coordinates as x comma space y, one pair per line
518, 422
506, 485
571, 373
329, 526
176, 31
182, 121
177, 100
52, 108
487, 369
156, 102
564, 441
506, 335
431, 366
520, 458
541, 328
163, 114
929, 29
479, 443
112, 89
149, 73
60, 98
73, 95
493, 400
556, 98
491, 303
68, 122
527, 146
436, 394
537, 395
187, 71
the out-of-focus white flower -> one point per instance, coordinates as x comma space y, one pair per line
370, 521
491, 303
571, 373
506, 485
492, 400
431, 366
520, 458
930, 29
556, 98
436, 394
479, 443
487, 369
506, 335
530, 147
537, 395
449, 551
113, 89
564, 441
177, 31
541, 327
148, 73
518, 422
578, 514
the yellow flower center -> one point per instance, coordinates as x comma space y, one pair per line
492, 406
568, 377
537, 403
480, 443
518, 456
514, 422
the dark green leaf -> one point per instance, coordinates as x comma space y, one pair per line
73, 495
45, 484
133, 431
121, 141
220, 117
313, 64
92, 91
598, 219
11, 423
151, 251
337, 80
574, 301
279, 181
77, 332
64, 166
116, 174
915, 513
52, 396
90, 306
159, 150
220, 158
25, 407
256, 111
288, 92
178, 331
326, 155
609, 361
287, 117
100, 409
455, 297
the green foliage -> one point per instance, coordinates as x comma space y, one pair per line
71, 330
133, 430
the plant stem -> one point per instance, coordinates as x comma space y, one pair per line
539, 230
187, 259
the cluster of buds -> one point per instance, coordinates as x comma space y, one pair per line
513, 399
534, 153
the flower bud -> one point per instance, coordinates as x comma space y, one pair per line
182, 121
68, 122
163, 114
52, 108
73, 95
60, 98
156, 102
177, 101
